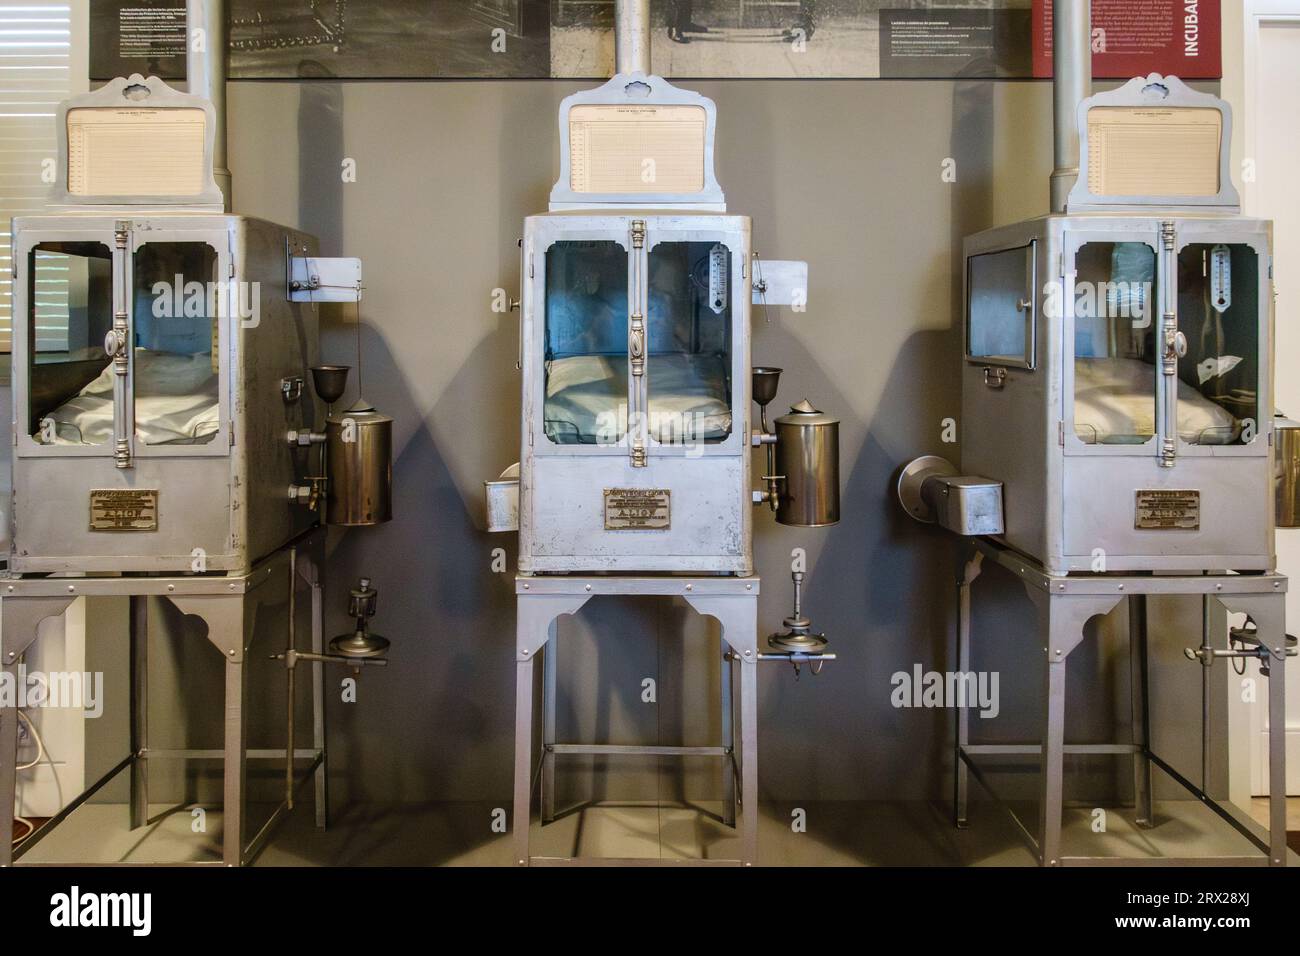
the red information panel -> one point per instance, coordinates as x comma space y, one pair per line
1136, 37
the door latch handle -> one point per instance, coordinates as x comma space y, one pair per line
114, 342
995, 377
1180, 344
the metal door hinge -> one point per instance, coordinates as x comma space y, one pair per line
1060, 434
638, 233
638, 454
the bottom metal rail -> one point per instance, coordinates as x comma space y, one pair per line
1243, 826
40, 832
247, 853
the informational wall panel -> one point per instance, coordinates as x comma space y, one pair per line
375, 39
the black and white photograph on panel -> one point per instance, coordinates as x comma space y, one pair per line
803, 38
361, 39
346, 39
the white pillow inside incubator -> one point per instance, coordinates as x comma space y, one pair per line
176, 403
688, 397
1114, 404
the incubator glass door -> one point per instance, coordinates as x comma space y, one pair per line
585, 343
178, 300
1219, 324
688, 364
69, 373
1113, 387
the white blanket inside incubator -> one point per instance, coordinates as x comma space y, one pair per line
176, 403
688, 397
1114, 403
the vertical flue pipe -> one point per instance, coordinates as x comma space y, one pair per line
632, 36
205, 74
1071, 83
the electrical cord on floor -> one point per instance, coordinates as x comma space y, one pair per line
40, 744
40, 755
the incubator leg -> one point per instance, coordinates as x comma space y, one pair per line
139, 706
1277, 743
738, 616
1051, 784
549, 682
729, 742
1269, 613
521, 818
961, 773
749, 760
236, 767
318, 704
1139, 684
8, 766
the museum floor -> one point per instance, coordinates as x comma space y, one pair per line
460, 834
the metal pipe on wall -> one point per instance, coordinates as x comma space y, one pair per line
632, 36
1071, 82
205, 74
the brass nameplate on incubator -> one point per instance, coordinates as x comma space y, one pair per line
1161, 509
117, 509
637, 509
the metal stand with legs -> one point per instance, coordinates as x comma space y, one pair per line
1066, 603
541, 601
228, 605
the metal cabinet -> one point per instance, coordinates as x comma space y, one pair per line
158, 366
1118, 381
635, 352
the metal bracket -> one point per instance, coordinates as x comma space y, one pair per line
780, 282
316, 279
291, 388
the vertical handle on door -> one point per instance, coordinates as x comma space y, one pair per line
116, 345
636, 346
1173, 346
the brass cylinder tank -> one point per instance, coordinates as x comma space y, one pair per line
359, 451
1286, 472
808, 459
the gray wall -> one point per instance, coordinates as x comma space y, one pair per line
843, 174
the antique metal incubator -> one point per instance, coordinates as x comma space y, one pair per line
1117, 425
637, 434
170, 433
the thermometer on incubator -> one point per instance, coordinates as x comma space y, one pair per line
1220, 278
